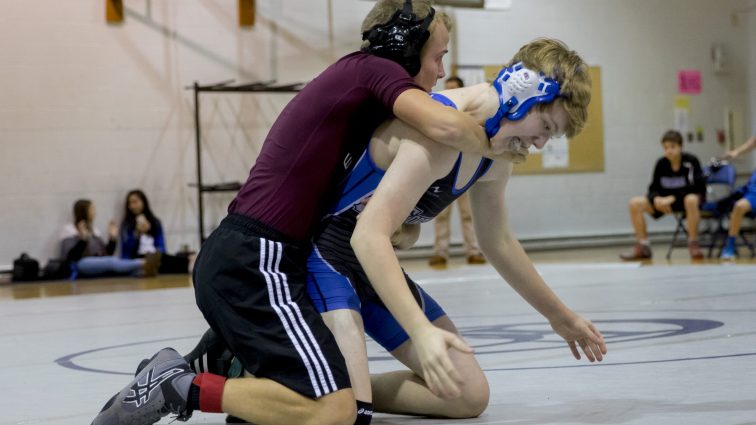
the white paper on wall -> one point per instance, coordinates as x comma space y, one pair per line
682, 120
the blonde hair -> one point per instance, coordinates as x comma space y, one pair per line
384, 10
557, 61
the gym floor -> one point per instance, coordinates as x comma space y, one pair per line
681, 340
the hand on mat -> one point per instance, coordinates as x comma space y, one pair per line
440, 374
579, 331
664, 204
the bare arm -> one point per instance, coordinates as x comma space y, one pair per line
441, 123
413, 169
406, 236
749, 145
505, 253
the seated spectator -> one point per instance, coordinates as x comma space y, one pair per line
142, 235
90, 256
743, 206
678, 185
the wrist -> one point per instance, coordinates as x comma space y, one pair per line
562, 315
419, 328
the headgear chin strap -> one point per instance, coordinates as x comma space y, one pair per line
519, 89
401, 38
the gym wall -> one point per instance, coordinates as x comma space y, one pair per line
91, 110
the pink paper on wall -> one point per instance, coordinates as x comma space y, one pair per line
689, 81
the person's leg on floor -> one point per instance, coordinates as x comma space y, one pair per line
98, 266
405, 392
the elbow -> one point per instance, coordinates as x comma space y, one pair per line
365, 241
356, 240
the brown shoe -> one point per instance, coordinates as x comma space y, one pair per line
476, 259
437, 262
152, 264
695, 250
638, 252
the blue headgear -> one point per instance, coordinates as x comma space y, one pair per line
401, 39
519, 89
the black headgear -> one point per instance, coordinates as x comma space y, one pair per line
401, 38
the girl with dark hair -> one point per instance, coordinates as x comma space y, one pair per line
141, 231
142, 235
84, 248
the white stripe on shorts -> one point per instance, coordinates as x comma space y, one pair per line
285, 315
308, 331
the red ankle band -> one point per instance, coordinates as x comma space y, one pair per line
211, 392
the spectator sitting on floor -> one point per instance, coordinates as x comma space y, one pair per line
142, 234
90, 256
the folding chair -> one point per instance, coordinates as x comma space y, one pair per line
679, 228
720, 182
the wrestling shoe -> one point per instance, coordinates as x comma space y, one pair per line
161, 387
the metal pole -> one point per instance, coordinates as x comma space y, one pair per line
199, 163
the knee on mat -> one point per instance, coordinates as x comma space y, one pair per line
338, 408
472, 403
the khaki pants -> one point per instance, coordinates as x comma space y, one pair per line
443, 228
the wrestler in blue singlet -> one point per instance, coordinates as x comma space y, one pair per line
336, 279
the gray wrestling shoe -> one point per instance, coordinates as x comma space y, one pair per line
160, 388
